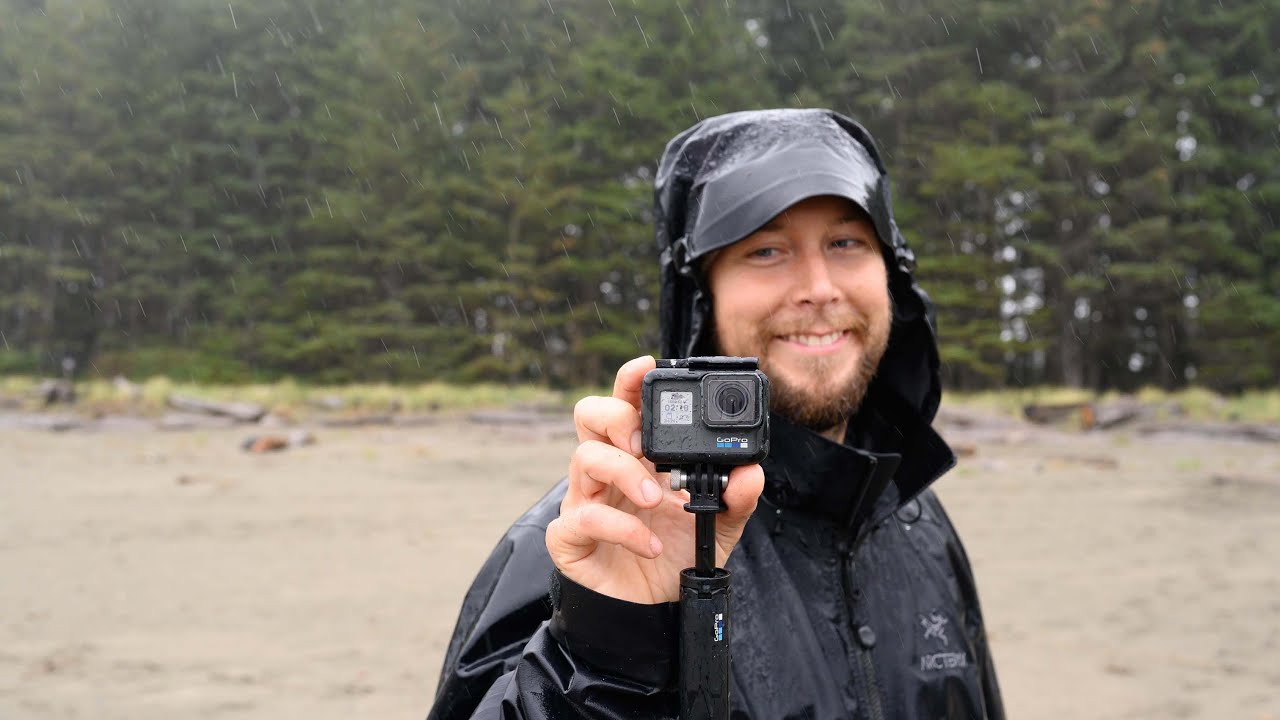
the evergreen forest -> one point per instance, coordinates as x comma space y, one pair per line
461, 190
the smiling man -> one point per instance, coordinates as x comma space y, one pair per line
807, 295
852, 594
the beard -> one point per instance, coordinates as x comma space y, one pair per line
828, 390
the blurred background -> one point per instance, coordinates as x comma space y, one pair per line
384, 245
405, 190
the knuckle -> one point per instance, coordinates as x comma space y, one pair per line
558, 536
588, 453
622, 418
639, 536
581, 454
577, 469
619, 462
582, 408
623, 411
575, 523
589, 520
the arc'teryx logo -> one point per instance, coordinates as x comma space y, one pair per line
935, 626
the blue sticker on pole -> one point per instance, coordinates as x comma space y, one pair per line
719, 627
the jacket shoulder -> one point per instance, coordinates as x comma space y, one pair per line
507, 601
930, 530
516, 575
930, 510
543, 512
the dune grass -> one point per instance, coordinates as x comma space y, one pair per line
290, 396
1200, 404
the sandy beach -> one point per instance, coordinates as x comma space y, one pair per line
148, 574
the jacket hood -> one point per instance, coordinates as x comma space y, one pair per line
726, 176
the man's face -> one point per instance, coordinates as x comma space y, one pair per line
808, 295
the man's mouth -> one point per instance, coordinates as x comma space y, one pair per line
816, 340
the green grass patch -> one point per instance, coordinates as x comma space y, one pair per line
1200, 404
291, 396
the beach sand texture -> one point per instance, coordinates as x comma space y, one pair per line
150, 574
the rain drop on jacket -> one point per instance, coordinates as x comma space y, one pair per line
852, 594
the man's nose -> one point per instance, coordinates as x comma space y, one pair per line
815, 285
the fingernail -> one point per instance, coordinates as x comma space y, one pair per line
655, 544
650, 491
637, 447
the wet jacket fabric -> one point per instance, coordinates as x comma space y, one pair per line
852, 594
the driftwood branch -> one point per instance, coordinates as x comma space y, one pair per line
238, 411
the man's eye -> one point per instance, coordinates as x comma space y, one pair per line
763, 252
849, 243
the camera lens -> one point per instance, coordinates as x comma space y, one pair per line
732, 400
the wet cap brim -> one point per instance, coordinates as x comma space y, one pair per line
736, 204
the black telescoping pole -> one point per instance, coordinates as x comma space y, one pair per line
704, 605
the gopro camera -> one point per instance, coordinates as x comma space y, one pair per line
712, 410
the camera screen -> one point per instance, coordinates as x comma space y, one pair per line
675, 408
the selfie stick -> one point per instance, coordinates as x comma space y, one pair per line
704, 601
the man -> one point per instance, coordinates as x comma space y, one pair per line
852, 594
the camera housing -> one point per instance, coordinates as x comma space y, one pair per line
711, 410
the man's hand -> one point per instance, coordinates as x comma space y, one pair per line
621, 531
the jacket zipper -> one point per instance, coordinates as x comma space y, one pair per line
874, 708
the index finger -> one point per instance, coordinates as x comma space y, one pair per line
630, 377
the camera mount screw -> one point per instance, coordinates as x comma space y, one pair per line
681, 479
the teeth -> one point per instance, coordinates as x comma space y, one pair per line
815, 340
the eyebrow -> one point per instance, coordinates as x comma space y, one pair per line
775, 225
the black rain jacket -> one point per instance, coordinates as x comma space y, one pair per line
852, 595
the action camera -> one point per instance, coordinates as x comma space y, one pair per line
712, 410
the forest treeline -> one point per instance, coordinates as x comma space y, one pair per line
461, 189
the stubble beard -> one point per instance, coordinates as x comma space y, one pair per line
833, 392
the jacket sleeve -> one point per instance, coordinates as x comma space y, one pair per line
530, 643
973, 622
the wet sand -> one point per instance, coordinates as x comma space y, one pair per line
148, 574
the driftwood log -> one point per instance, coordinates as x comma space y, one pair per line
514, 417
342, 421
54, 423
417, 420
1098, 462
1091, 416
1222, 431
238, 411
1109, 415
1049, 414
